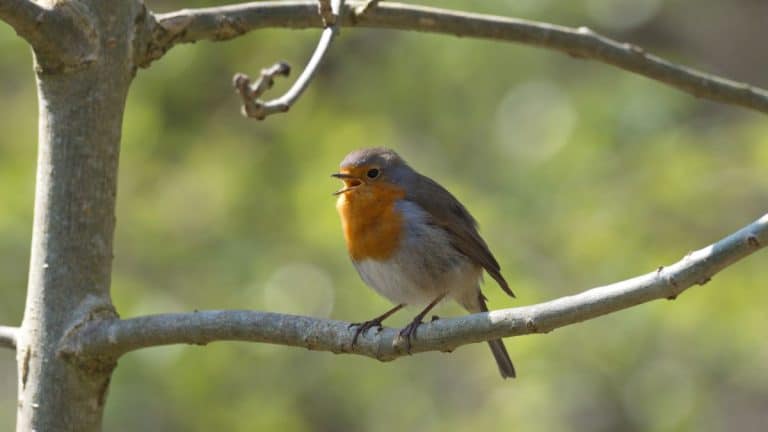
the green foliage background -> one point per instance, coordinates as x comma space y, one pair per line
580, 175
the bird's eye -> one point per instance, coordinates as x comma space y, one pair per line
372, 173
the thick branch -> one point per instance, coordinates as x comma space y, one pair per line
227, 22
63, 36
8, 337
115, 337
70, 266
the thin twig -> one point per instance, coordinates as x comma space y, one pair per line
8, 337
250, 93
116, 337
191, 25
258, 109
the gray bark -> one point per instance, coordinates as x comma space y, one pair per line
80, 113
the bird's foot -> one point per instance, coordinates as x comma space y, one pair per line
361, 328
408, 333
376, 322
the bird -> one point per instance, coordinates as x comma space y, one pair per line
413, 242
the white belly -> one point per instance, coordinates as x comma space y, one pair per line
400, 283
425, 267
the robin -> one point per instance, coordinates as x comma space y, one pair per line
412, 241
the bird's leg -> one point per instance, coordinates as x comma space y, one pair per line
409, 331
376, 322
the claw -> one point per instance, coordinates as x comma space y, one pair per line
376, 322
409, 332
364, 327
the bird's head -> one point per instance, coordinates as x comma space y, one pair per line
370, 170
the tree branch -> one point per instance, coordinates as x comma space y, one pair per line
114, 337
258, 109
63, 36
365, 7
8, 337
227, 22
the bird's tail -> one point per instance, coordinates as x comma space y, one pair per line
506, 368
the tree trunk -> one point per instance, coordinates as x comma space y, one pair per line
81, 111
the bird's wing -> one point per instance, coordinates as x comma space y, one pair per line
448, 213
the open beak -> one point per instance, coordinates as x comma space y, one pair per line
349, 180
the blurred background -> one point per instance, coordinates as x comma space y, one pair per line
580, 175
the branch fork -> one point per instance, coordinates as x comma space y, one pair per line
62, 35
250, 92
365, 8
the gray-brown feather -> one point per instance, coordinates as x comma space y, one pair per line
447, 212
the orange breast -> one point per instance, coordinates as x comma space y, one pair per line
371, 223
